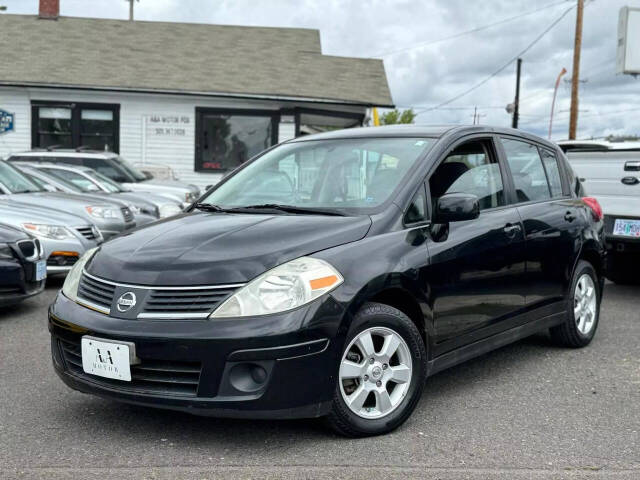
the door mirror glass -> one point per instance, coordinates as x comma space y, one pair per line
456, 207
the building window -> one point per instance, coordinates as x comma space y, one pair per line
228, 138
75, 125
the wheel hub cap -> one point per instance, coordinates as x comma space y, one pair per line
585, 304
375, 372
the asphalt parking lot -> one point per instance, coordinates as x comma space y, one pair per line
529, 410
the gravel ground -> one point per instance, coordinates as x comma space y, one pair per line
529, 410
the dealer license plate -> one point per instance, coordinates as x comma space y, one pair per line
627, 228
41, 270
106, 359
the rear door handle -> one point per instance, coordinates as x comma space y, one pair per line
511, 229
632, 167
569, 217
630, 180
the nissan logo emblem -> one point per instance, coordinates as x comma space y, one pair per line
126, 302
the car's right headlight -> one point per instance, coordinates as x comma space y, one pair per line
70, 286
54, 232
169, 210
282, 288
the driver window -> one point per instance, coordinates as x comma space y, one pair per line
470, 168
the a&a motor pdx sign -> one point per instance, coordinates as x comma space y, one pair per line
6, 121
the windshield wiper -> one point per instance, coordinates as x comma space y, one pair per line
209, 207
288, 209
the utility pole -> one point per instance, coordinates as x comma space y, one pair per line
516, 107
130, 9
575, 75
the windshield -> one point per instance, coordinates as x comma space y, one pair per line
15, 181
131, 170
80, 181
49, 177
106, 182
350, 174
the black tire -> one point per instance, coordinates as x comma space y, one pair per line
341, 418
567, 334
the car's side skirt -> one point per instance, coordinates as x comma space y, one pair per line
498, 340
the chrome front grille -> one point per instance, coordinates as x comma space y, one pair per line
29, 249
127, 214
185, 301
96, 293
87, 232
155, 302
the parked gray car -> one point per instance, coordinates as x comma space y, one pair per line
611, 173
110, 218
64, 237
117, 169
72, 179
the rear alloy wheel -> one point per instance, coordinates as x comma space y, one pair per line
381, 373
583, 309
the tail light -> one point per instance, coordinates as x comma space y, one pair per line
595, 207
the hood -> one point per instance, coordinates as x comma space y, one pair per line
619, 206
9, 234
15, 213
203, 248
62, 201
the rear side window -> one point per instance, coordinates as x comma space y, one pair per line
553, 172
529, 177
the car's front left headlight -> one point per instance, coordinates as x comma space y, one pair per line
70, 286
283, 288
54, 232
169, 210
103, 211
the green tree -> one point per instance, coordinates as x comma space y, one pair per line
395, 116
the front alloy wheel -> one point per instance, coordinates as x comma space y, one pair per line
381, 373
373, 382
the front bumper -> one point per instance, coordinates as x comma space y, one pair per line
16, 281
208, 367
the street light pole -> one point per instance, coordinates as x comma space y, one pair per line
553, 102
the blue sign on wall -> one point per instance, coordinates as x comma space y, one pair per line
6, 121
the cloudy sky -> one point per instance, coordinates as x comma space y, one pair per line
426, 67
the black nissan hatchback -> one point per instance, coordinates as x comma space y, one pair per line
330, 275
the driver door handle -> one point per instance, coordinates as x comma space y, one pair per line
511, 229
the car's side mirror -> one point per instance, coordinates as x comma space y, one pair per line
149, 175
456, 207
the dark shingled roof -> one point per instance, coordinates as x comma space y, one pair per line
184, 57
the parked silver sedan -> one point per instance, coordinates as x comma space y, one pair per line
78, 179
110, 218
64, 237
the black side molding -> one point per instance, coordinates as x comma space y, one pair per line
280, 353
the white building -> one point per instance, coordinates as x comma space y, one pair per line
200, 98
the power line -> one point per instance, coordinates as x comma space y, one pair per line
467, 32
485, 80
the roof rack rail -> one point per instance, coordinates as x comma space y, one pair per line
51, 148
